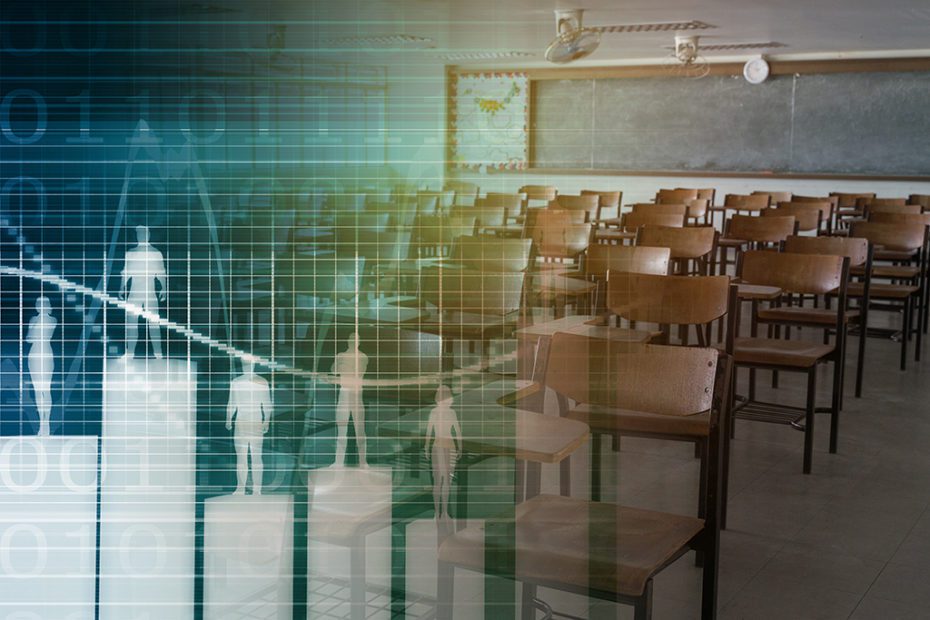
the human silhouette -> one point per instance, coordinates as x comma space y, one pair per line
446, 435
250, 406
41, 360
350, 367
143, 284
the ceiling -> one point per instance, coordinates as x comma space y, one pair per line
821, 28
806, 28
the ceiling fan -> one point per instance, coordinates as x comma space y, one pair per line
574, 41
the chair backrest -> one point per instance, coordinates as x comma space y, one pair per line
825, 206
586, 203
747, 202
919, 199
384, 246
667, 300
847, 201
490, 253
430, 230
465, 193
853, 248
684, 243
665, 380
428, 203
869, 202
676, 196
512, 202
490, 216
872, 209
649, 218
680, 210
572, 215
602, 259
903, 237
708, 193
349, 225
473, 291
808, 215
833, 200
805, 274
900, 218
608, 203
774, 197
557, 236
605, 198
539, 192
771, 229
347, 202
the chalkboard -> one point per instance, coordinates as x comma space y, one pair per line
873, 124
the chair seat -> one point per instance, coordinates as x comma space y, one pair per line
469, 326
881, 290
577, 544
726, 242
900, 272
628, 421
808, 316
771, 352
882, 254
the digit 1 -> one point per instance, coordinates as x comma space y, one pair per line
83, 100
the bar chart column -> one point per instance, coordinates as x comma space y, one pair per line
148, 490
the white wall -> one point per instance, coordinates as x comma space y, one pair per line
643, 188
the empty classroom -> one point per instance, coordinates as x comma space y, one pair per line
446, 310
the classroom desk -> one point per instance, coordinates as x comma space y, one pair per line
756, 292
613, 235
582, 325
507, 230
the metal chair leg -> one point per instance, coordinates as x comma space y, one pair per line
809, 419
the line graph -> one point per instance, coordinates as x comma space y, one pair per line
101, 297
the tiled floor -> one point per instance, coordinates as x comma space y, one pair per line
851, 540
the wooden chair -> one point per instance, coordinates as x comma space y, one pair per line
872, 209
351, 226
428, 203
608, 203
747, 203
872, 201
435, 234
538, 195
698, 204
512, 203
680, 210
833, 200
846, 205
667, 301
774, 197
800, 274
603, 259
604, 550
558, 238
693, 244
746, 231
492, 253
901, 242
859, 253
920, 199
808, 215
633, 221
472, 305
486, 217
676, 196
465, 193
585, 203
